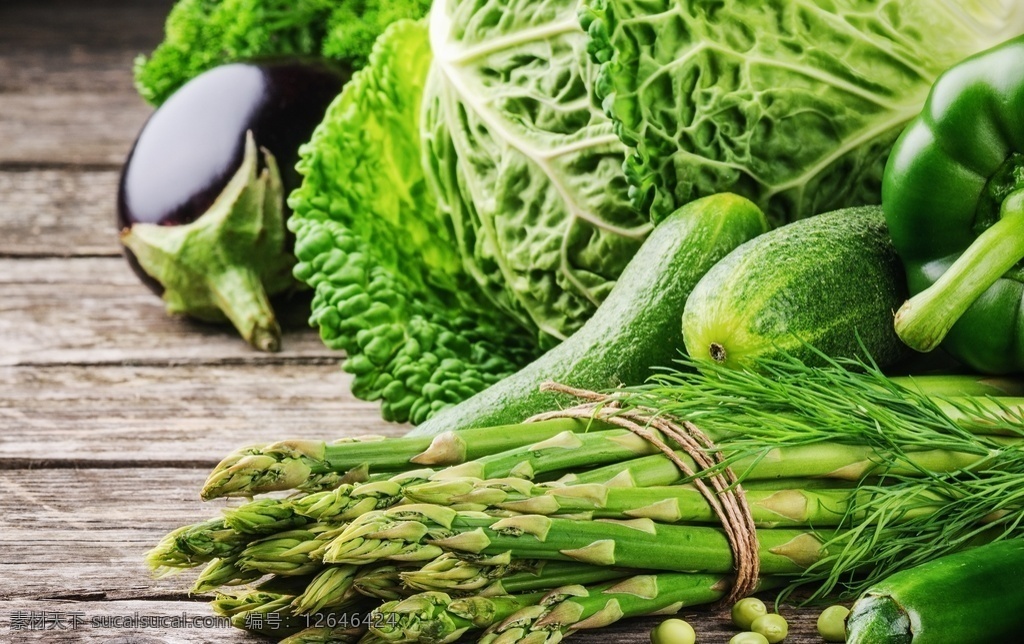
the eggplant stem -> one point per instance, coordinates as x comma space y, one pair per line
239, 293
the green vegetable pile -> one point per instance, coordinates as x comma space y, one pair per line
698, 219
475, 192
504, 240
534, 531
540, 176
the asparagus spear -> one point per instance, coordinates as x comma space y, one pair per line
280, 608
961, 385
555, 453
223, 572
264, 516
290, 553
382, 581
202, 542
195, 544
312, 465
450, 573
349, 501
249, 599
832, 460
436, 617
559, 452
422, 532
332, 587
578, 607
491, 576
667, 504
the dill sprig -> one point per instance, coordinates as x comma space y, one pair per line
944, 485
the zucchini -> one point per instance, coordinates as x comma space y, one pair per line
634, 330
826, 284
973, 596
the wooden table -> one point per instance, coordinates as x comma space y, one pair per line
111, 413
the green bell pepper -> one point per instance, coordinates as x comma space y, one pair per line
953, 196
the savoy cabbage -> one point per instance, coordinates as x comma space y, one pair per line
792, 103
463, 204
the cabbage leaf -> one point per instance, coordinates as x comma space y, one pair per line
389, 284
526, 167
792, 103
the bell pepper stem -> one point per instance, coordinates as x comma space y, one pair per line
924, 320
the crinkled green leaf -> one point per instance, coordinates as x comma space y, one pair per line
201, 34
526, 167
792, 103
390, 288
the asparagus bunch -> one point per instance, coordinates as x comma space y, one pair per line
315, 465
532, 532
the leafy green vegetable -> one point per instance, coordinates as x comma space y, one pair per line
525, 165
201, 34
793, 104
464, 205
389, 285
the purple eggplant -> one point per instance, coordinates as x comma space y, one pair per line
201, 203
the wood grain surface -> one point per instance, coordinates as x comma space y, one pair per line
111, 412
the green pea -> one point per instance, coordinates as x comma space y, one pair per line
832, 623
748, 637
746, 610
673, 631
773, 626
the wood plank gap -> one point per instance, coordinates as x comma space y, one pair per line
25, 463
15, 166
44, 255
261, 359
140, 594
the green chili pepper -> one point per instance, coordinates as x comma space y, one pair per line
953, 195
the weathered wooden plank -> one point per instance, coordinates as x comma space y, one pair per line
58, 213
66, 92
89, 310
81, 128
31, 68
116, 622
69, 26
75, 46
84, 532
65, 415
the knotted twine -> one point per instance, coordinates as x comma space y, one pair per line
725, 495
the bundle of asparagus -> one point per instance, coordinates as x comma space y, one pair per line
531, 532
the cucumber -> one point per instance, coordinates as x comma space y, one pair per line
811, 286
635, 329
973, 596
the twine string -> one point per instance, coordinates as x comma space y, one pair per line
718, 484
